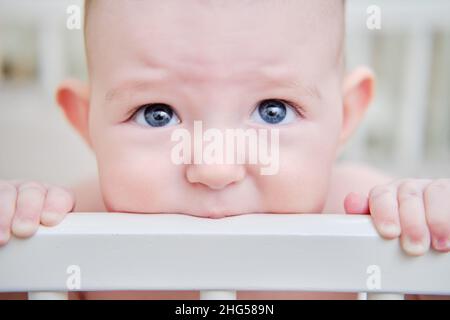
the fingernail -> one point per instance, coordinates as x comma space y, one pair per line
390, 230
415, 248
442, 244
24, 228
48, 217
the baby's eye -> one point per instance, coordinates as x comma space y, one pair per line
273, 112
156, 115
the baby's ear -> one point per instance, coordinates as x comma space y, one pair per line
73, 98
358, 92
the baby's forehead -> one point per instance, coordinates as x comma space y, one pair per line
221, 33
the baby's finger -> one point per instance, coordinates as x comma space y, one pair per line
8, 195
356, 203
384, 210
16, 182
437, 207
415, 237
30, 201
58, 203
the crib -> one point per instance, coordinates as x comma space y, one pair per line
253, 252
268, 252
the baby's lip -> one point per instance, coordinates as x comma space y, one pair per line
224, 214
208, 214
217, 215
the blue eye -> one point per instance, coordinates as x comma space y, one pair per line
156, 115
273, 112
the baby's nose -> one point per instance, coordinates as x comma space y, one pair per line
215, 176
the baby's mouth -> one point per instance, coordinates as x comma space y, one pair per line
224, 214
218, 215
215, 214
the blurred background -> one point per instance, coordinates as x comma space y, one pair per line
406, 131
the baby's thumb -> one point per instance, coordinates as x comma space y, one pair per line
356, 203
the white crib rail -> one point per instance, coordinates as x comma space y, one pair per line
292, 252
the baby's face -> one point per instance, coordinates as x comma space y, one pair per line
232, 65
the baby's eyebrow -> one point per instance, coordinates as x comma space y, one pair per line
127, 88
280, 81
300, 88
289, 80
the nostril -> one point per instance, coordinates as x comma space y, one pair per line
220, 186
214, 176
216, 184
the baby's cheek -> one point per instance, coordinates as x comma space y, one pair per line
299, 188
135, 183
301, 184
135, 168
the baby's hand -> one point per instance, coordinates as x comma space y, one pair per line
417, 210
25, 205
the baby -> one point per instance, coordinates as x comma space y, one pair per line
156, 67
